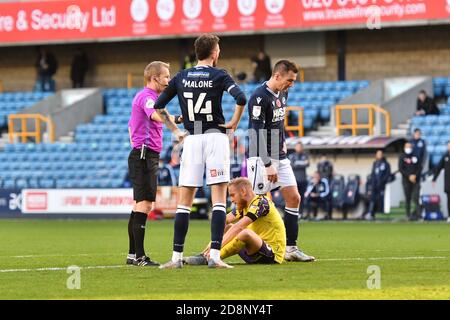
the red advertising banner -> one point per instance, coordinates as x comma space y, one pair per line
78, 20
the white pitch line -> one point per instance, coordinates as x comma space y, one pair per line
60, 269
332, 259
64, 255
383, 258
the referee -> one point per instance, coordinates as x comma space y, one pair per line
146, 136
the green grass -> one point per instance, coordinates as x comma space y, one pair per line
414, 259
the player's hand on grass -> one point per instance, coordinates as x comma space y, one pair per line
272, 174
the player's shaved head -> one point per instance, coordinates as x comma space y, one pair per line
284, 66
154, 69
205, 46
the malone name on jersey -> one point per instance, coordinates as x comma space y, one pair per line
197, 84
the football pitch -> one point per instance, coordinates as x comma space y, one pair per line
412, 261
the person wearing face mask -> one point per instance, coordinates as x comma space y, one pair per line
409, 167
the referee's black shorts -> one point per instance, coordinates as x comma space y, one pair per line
143, 174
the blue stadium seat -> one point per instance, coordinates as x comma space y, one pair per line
9, 184
325, 114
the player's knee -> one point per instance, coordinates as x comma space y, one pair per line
294, 198
144, 206
244, 235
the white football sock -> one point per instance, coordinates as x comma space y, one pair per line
177, 256
214, 254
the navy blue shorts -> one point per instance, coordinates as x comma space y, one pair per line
264, 255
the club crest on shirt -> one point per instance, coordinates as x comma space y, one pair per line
256, 111
278, 103
150, 104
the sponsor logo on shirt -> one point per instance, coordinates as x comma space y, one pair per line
278, 114
198, 74
216, 173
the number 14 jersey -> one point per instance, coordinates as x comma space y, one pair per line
200, 90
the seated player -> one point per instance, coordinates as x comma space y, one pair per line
254, 230
318, 196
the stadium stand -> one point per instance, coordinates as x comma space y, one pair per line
436, 128
98, 157
13, 102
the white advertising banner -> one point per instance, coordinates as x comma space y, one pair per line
91, 201
60, 201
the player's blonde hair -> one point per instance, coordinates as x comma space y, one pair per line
240, 183
154, 69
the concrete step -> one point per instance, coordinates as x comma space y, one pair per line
4, 139
325, 128
399, 132
404, 126
322, 134
66, 139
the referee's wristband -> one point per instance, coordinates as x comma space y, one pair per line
177, 119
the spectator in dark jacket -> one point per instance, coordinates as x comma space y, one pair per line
379, 177
419, 148
325, 168
444, 164
425, 105
409, 167
80, 65
262, 67
318, 196
46, 66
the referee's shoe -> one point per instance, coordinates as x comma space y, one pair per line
145, 261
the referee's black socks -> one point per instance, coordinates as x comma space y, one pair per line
139, 221
132, 249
